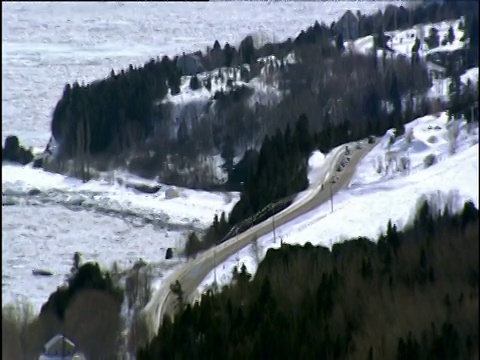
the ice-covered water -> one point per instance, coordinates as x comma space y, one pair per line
46, 45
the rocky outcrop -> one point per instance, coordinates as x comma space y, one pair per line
144, 188
41, 272
14, 152
172, 193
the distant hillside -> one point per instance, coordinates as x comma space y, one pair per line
157, 121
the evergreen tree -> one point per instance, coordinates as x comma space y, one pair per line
228, 52
193, 245
302, 135
433, 39
195, 84
396, 99
227, 154
450, 34
183, 134
247, 50
176, 289
454, 95
416, 46
392, 236
76, 262
339, 43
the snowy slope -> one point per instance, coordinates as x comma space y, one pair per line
190, 104
470, 74
372, 199
402, 41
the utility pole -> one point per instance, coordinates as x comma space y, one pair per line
214, 268
408, 162
176, 248
331, 196
273, 221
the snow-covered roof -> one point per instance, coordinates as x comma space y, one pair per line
54, 341
434, 67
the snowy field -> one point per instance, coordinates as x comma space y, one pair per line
46, 217
402, 41
373, 198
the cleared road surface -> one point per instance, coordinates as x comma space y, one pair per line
194, 272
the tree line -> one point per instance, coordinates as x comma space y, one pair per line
315, 85
104, 122
412, 294
417, 288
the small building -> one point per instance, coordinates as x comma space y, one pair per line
436, 71
189, 64
348, 25
60, 348
453, 60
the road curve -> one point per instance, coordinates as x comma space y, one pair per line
192, 273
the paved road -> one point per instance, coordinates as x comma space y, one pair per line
194, 272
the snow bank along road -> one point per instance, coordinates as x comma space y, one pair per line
192, 273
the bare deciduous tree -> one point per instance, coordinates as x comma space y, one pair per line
255, 250
409, 136
453, 130
16, 320
138, 334
404, 164
93, 321
379, 165
138, 287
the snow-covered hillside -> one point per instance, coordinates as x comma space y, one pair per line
374, 197
265, 85
402, 41
191, 104
48, 44
470, 74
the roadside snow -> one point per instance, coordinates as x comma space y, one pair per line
373, 199
470, 74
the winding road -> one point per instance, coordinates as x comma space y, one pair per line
194, 272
